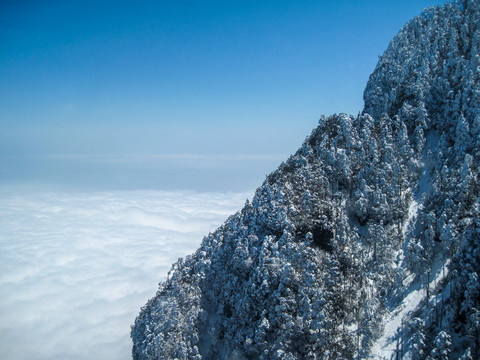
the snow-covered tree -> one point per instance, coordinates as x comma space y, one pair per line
442, 347
369, 209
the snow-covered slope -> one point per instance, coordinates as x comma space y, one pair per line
364, 243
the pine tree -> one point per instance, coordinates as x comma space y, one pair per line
442, 347
417, 341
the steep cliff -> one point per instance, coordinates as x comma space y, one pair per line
364, 243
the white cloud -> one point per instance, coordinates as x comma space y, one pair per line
75, 268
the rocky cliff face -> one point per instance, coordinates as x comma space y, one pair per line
364, 243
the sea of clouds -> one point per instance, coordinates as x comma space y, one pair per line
75, 267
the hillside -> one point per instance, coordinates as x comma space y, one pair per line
364, 243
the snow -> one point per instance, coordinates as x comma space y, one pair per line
412, 214
384, 348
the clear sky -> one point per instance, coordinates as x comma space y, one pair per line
172, 94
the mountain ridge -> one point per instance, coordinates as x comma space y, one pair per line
374, 216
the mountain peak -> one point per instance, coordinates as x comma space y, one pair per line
364, 243
429, 65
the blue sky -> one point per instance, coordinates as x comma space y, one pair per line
170, 94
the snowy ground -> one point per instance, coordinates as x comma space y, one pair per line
385, 346
75, 268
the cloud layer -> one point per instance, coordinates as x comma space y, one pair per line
75, 268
